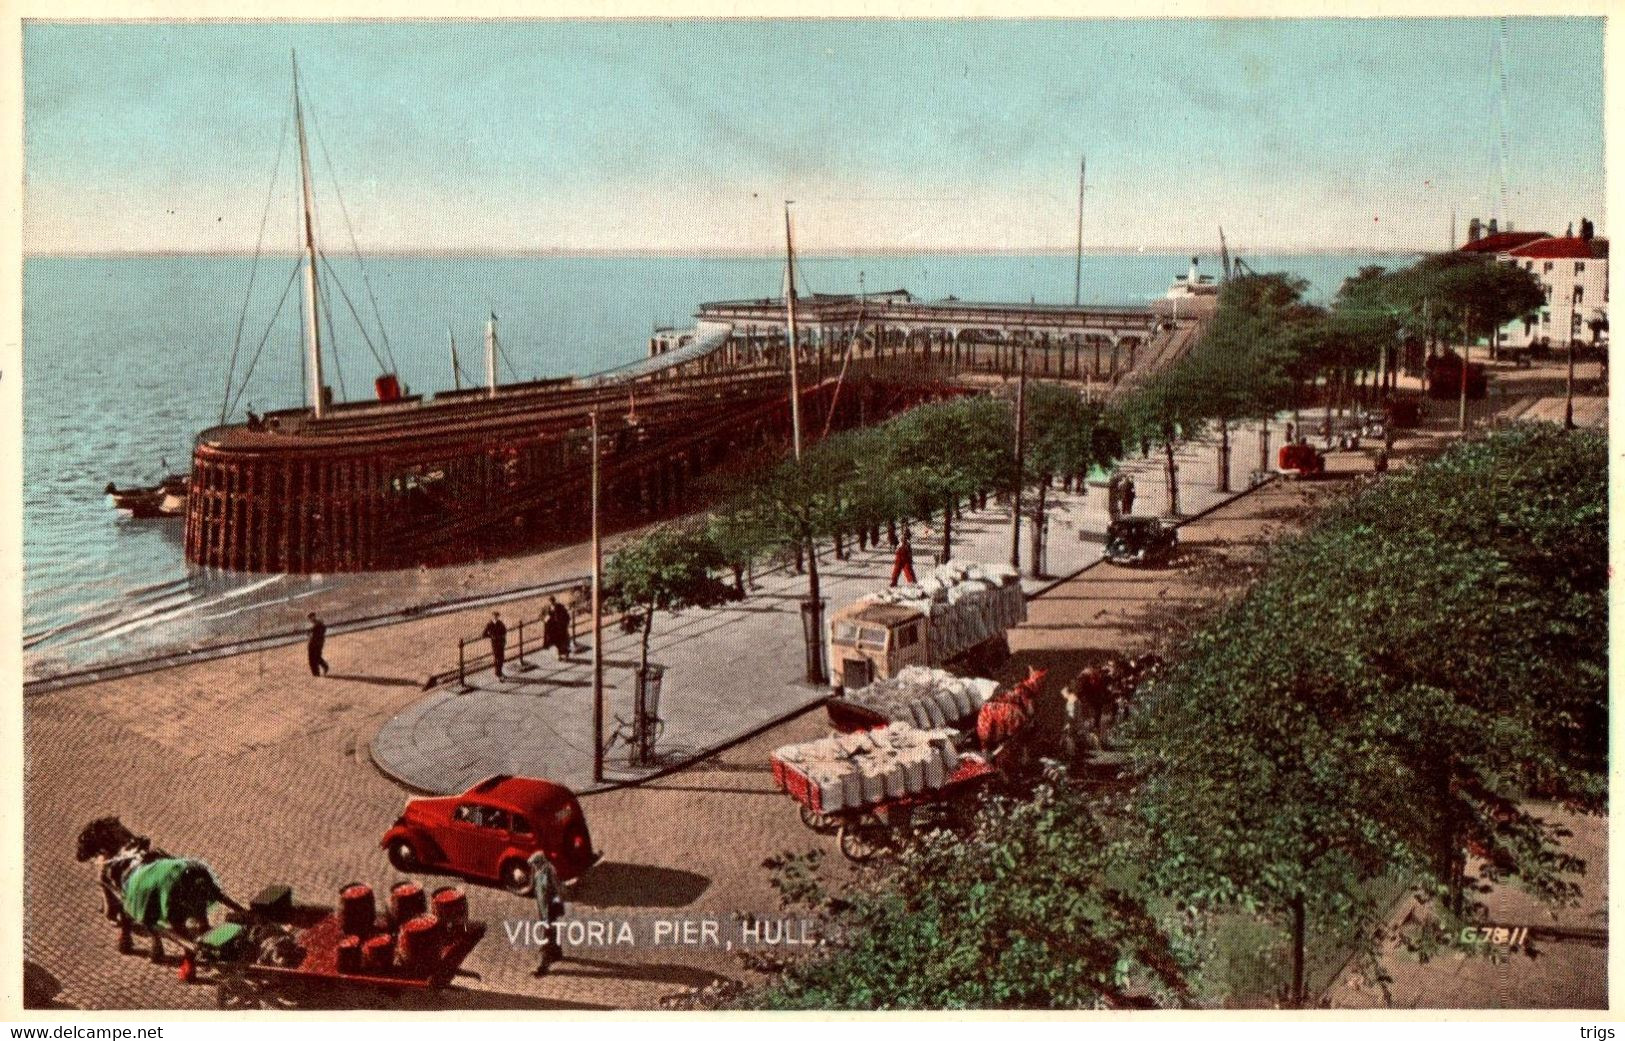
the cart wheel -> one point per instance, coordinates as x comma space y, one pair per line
819, 822
863, 838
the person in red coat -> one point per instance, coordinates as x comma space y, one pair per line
902, 563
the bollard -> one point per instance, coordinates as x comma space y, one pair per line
462, 676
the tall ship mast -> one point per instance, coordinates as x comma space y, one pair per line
405, 479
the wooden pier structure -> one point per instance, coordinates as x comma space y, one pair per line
413, 481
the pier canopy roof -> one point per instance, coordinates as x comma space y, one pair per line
707, 338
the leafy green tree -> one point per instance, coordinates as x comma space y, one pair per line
1028, 911
1388, 695
1166, 411
667, 569
939, 454
1242, 368
1064, 438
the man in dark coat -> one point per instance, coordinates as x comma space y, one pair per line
497, 633
556, 628
318, 639
1128, 496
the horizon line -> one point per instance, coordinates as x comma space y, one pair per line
654, 253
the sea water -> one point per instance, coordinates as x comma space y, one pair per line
126, 359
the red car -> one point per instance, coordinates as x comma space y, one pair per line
1301, 460
490, 831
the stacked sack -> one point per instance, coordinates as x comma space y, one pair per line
847, 771
927, 698
967, 603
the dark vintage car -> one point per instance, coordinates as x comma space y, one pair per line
489, 832
1140, 540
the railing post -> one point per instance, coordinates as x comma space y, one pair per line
524, 666
462, 676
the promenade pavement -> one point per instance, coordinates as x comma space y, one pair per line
733, 669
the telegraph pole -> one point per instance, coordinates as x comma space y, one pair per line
597, 622
1021, 451
1466, 346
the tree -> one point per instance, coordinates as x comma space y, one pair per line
1456, 660
939, 454
1241, 369
668, 569
1063, 439
1167, 410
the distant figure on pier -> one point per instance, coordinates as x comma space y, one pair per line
902, 563
1128, 496
497, 633
556, 628
313, 649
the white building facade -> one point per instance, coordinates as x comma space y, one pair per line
1573, 270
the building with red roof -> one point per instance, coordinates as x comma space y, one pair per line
1573, 270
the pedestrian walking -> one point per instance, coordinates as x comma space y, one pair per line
549, 908
902, 563
557, 630
1128, 496
1114, 496
1071, 723
497, 633
313, 649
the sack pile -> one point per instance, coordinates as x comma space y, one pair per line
967, 603
847, 771
925, 697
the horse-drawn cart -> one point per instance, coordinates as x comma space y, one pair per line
275, 951
309, 955
865, 786
866, 831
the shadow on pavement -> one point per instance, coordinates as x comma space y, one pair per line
40, 988
377, 681
617, 884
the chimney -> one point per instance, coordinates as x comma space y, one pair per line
1570, 233
1493, 229
1475, 230
1588, 230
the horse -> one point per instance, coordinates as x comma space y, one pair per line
144, 887
1007, 714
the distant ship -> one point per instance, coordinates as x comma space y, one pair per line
1192, 285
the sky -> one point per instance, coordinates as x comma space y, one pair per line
688, 136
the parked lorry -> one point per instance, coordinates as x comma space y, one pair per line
957, 616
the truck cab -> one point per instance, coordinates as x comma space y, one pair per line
875, 641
